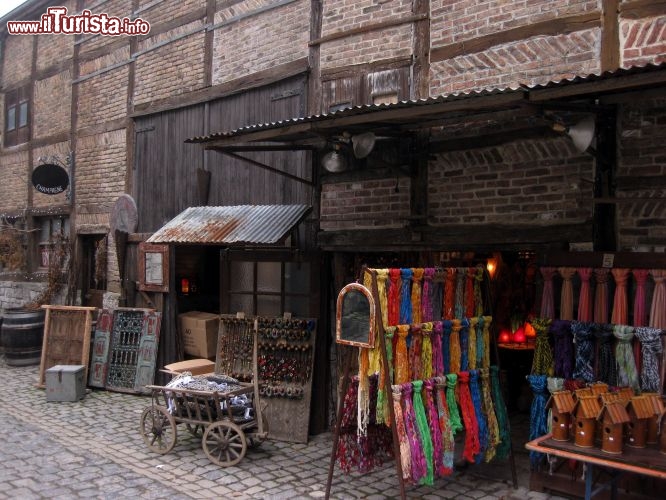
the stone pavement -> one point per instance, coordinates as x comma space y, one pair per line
92, 449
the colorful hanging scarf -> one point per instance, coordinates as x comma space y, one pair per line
455, 346
363, 392
547, 298
640, 308
424, 432
463, 337
471, 343
375, 355
658, 307
382, 279
472, 445
402, 371
542, 363
563, 348
347, 449
489, 411
415, 352
390, 333
567, 293
607, 366
478, 296
538, 420
480, 347
447, 326
504, 447
451, 384
601, 276
438, 293
651, 348
450, 294
405, 452
426, 351
394, 297
584, 341
585, 297
475, 391
418, 459
620, 315
459, 307
406, 297
436, 339
469, 292
427, 293
433, 425
448, 441
627, 374
487, 321
417, 279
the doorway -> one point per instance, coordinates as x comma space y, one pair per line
94, 269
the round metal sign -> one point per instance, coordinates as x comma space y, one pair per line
124, 216
50, 178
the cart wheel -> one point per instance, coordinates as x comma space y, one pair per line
252, 440
224, 443
158, 429
196, 430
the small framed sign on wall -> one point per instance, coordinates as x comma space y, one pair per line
153, 267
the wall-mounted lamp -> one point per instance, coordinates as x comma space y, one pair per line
581, 133
492, 264
334, 161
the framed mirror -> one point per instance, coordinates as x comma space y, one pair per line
355, 317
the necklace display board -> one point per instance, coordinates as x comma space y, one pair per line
424, 378
125, 349
66, 338
285, 360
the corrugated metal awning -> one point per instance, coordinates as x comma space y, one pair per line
253, 224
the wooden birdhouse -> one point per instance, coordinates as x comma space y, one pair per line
586, 410
626, 392
583, 391
614, 397
611, 419
561, 405
640, 410
653, 422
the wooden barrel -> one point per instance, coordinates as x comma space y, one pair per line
22, 336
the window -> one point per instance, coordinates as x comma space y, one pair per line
17, 116
52, 231
267, 288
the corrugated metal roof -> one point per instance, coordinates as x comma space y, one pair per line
444, 98
255, 224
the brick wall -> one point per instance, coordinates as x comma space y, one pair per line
54, 49
114, 8
365, 204
15, 181
157, 13
519, 182
100, 168
103, 97
260, 41
532, 61
52, 105
453, 21
643, 41
173, 69
642, 221
17, 60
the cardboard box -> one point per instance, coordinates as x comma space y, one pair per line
65, 383
194, 366
199, 333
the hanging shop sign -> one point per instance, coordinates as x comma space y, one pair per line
50, 178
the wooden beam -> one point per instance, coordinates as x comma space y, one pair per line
630, 182
209, 38
353, 70
314, 96
265, 167
271, 134
263, 147
610, 35
239, 85
420, 50
631, 260
492, 139
636, 9
368, 27
552, 27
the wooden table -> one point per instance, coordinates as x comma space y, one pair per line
643, 461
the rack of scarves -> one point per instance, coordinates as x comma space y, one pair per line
610, 338
428, 379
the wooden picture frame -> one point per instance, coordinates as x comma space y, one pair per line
355, 317
153, 267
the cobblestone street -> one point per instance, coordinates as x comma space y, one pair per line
93, 449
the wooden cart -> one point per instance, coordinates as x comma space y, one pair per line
226, 428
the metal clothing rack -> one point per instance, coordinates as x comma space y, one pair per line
396, 443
